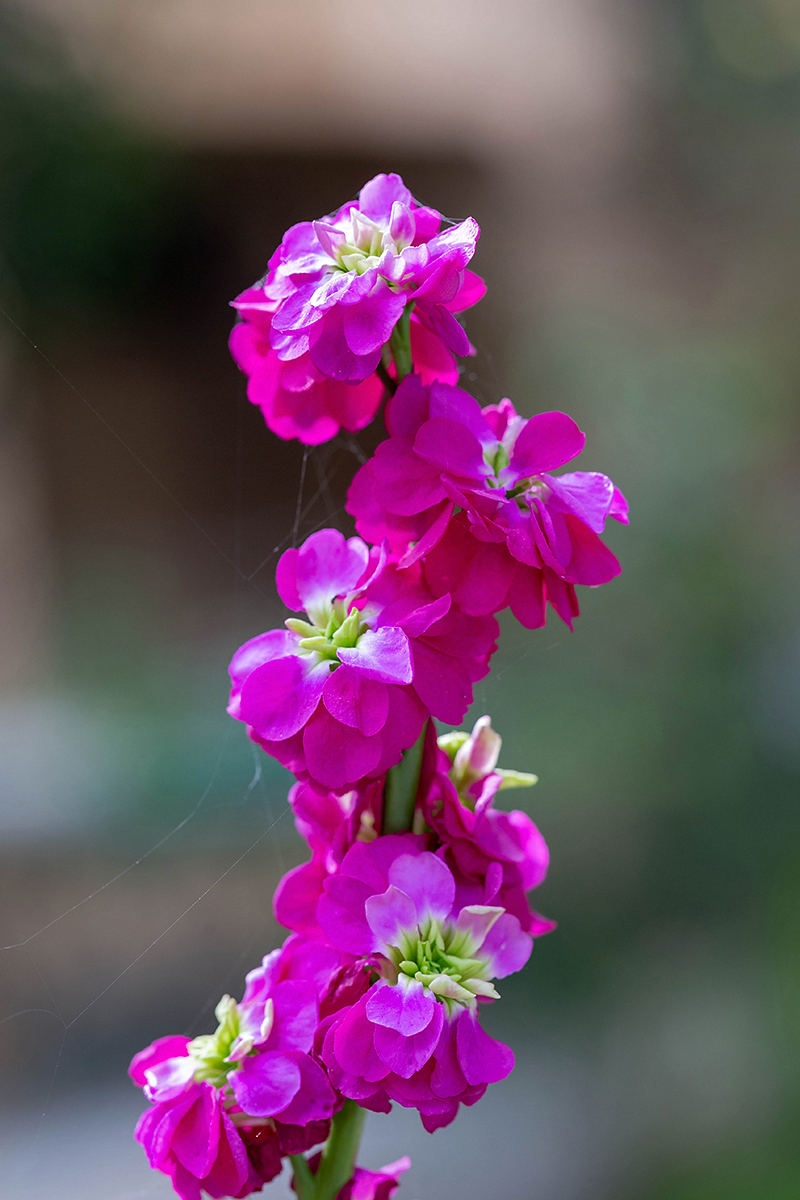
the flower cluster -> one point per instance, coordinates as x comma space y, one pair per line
471, 492
313, 331
414, 902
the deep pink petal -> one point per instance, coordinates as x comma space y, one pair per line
336, 755
506, 947
587, 494
278, 698
296, 1015
406, 483
341, 914
264, 1084
591, 562
451, 448
405, 1007
353, 1045
295, 901
407, 1053
368, 324
173, 1046
275, 643
408, 408
441, 683
196, 1137
314, 1100
331, 354
527, 597
481, 1058
432, 360
376, 198
325, 566
472, 289
356, 700
547, 441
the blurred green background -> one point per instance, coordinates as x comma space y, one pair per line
635, 171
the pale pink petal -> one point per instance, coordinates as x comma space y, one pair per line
428, 882
389, 914
383, 654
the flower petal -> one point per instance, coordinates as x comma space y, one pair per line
428, 882
264, 1084
481, 1058
547, 441
406, 1054
279, 697
406, 1007
337, 755
383, 654
389, 914
356, 700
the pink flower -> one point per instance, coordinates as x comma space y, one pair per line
414, 1036
225, 1104
500, 854
523, 536
337, 287
368, 1185
338, 697
295, 398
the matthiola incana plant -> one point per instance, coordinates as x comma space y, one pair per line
414, 902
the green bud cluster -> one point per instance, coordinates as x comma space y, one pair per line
211, 1050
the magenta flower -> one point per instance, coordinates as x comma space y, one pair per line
368, 1185
494, 854
295, 398
338, 697
414, 1036
522, 535
337, 287
224, 1104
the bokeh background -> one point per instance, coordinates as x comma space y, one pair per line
634, 167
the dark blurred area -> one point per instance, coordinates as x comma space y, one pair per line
635, 171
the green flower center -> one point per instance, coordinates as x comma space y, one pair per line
438, 957
342, 630
217, 1054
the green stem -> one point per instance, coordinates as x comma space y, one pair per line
386, 379
400, 792
400, 344
304, 1182
339, 1155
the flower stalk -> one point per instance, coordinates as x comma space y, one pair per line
400, 793
339, 1154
